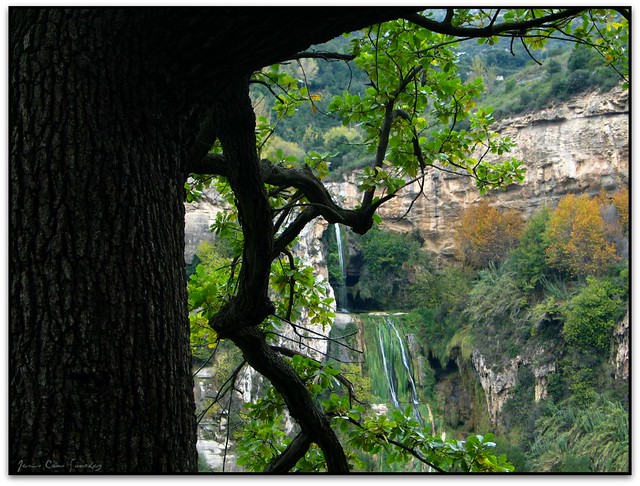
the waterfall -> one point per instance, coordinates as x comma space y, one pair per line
388, 371
395, 364
405, 363
341, 297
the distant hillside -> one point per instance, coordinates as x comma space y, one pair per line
514, 83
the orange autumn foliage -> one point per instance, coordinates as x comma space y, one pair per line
621, 201
577, 237
485, 234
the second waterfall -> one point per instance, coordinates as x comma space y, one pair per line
341, 286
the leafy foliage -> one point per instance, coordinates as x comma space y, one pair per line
621, 201
208, 288
528, 260
396, 434
420, 120
592, 314
415, 113
384, 257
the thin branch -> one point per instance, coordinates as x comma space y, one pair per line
377, 81
268, 86
495, 17
411, 75
208, 359
322, 336
284, 89
226, 444
443, 44
285, 212
418, 153
292, 283
299, 343
447, 28
383, 139
314, 107
221, 393
599, 51
526, 48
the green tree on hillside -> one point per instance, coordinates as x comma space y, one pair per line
528, 260
592, 314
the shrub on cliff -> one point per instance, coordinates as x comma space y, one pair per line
592, 314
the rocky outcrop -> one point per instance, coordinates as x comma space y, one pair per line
541, 374
621, 348
419, 361
497, 385
198, 218
499, 379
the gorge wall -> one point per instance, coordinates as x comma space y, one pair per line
581, 146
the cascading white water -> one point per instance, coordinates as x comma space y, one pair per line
342, 289
405, 363
388, 373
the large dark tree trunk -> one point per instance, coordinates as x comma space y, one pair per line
107, 106
100, 361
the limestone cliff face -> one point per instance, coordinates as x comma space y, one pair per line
499, 380
198, 218
581, 146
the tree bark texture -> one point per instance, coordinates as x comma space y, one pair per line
100, 360
107, 107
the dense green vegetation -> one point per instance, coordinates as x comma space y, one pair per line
394, 441
512, 307
567, 72
527, 306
